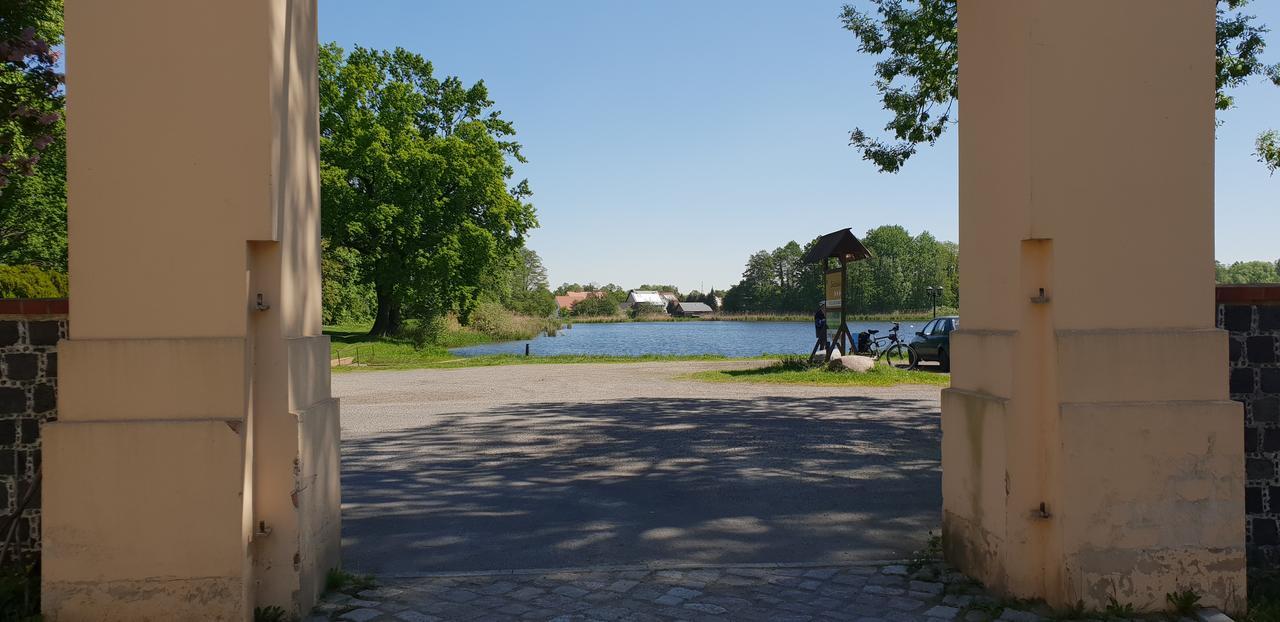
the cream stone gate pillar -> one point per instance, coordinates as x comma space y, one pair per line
1089, 449
193, 470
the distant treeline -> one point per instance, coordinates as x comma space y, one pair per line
1248, 272
896, 278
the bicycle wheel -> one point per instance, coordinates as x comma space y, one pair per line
900, 355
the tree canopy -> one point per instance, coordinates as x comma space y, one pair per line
33, 203
895, 278
916, 76
414, 173
518, 282
1248, 272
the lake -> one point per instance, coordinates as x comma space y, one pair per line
734, 339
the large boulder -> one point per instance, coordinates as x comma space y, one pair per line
853, 362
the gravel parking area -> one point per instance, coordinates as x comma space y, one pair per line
609, 465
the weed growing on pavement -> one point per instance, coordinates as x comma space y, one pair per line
931, 552
274, 613
1183, 602
339, 580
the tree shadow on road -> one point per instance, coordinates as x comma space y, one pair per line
665, 481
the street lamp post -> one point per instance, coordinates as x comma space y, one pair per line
934, 291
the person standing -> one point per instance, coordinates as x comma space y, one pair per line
820, 325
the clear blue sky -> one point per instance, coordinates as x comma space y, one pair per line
667, 140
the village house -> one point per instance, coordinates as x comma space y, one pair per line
657, 299
692, 309
565, 303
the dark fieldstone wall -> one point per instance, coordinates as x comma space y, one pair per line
1252, 315
29, 334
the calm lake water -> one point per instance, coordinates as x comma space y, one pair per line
678, 338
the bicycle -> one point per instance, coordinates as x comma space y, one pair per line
892, 351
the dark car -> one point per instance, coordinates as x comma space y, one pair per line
933, 342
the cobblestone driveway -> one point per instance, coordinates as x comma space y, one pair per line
687, 500
871, 593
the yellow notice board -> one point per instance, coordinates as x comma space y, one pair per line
835, 296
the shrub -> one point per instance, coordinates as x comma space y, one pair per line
424, 332
593, 307
795, 362
642, 310
497, 322
31, 282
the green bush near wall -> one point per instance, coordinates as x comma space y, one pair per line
31, 282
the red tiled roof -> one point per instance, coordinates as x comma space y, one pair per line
568, 300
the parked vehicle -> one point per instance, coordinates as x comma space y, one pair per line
933, 342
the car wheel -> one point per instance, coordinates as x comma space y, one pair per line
944, 360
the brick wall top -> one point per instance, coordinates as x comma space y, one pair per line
34, 306
1249, 294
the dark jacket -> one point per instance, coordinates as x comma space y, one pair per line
820, 323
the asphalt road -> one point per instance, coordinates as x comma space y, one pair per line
558, 466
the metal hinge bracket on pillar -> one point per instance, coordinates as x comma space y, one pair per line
1041, 513
263, 530
1041, 299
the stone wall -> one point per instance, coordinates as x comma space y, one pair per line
1252, 315
29, 334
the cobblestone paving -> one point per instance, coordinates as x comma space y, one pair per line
868, 593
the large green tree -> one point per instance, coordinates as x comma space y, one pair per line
916, 76
33, 204
415, 174
519, 283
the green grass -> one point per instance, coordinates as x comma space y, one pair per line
353, 340
879, 376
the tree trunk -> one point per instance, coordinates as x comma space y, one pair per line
394, 323
387, 321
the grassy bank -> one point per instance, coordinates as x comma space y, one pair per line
914, 316
491, 360
879, 376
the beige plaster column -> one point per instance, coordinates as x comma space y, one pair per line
193, 471
1089, 448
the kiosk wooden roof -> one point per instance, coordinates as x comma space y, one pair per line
842, 244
